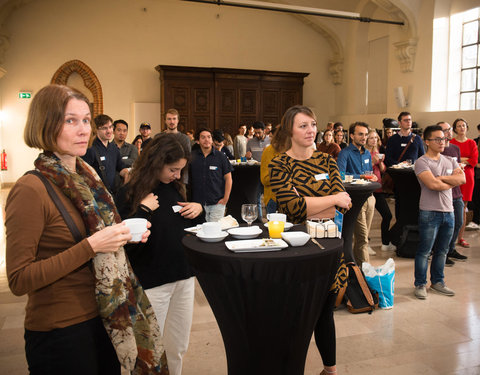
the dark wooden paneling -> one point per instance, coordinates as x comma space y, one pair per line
224, 98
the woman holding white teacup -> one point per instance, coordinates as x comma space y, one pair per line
307, 184
86, 312
156, 192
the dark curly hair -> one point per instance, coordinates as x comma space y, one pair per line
164, 149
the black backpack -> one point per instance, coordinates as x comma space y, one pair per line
407, 246
358, 296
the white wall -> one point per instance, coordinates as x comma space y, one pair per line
122, 44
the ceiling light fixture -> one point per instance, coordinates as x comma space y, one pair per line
287, 8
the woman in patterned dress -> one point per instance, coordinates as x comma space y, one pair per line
307, 184
469, 157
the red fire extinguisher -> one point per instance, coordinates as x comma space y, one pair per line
4, 160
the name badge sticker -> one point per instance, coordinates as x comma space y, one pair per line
403, 144
124, 157
102, 158
213, 167
366, 161
449, 171
176, 208
321, 176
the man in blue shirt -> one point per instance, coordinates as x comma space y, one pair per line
356, 160
104, 155
210, 177
398, 142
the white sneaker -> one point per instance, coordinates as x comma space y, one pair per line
472, 226
371, 251
389, 247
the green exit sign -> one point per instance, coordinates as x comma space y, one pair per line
24, 95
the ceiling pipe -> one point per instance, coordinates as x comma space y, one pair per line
284, 8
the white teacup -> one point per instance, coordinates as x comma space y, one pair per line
211, 228
137, 228
277, 217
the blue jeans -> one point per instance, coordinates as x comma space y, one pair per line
214, 212
458, 213
433, 226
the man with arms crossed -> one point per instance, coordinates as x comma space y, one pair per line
210, 176
436, 174
355, 159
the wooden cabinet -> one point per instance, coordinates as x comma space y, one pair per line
224, 98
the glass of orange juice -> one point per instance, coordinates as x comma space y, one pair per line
275, 229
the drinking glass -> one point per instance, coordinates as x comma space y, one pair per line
249, 213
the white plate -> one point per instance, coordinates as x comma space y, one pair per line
287, 227
249, 246
216, 238
244, 233
225, 225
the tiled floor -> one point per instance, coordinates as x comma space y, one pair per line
440, 335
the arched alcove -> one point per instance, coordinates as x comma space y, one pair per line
89, 79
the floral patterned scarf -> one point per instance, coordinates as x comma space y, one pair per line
123, 306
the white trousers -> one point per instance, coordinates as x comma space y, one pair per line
173, 306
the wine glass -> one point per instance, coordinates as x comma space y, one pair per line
249, 213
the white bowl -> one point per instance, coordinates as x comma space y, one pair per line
296, 238
245, 233
212, 238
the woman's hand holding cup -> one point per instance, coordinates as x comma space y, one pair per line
110, 238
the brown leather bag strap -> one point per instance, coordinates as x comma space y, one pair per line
363, 285
406, 148
60, 206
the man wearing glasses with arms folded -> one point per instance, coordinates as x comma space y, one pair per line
436, 174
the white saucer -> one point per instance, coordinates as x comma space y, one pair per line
245, 233
287, 226
214, 238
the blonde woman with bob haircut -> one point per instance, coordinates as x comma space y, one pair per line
301, 195
86, 312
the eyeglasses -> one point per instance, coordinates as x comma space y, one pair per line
103, 128
438, 140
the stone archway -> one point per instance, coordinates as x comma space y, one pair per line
89, 79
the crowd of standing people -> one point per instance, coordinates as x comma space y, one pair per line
93, 292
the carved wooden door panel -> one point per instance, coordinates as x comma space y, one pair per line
225, 98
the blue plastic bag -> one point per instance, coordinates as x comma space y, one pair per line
381, 279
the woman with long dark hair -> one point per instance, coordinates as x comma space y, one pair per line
300, 195
86, 312
156, 192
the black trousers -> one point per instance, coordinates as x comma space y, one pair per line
325, 337
381, 206
80, 349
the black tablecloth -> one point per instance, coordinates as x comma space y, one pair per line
246, 179
407, 201
359, 194
267, 303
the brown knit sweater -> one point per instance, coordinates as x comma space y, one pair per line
44, 261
